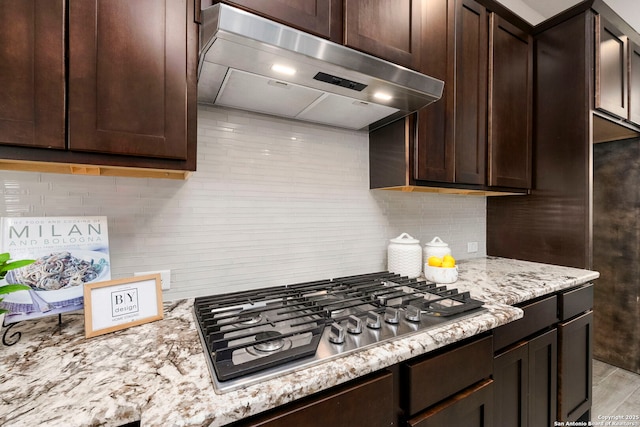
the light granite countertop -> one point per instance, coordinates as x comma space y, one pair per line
157, 372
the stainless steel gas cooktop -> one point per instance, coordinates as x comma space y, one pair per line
260, 334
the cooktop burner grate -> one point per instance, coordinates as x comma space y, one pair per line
250, 332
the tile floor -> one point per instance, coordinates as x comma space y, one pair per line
615, 392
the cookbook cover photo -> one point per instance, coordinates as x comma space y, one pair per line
67, 252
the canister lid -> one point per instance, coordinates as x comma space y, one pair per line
436, 242
405, 239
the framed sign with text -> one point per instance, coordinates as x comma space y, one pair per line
119, 304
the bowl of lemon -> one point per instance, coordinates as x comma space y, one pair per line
441, 269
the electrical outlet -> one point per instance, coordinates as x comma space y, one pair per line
165, 277
472, 247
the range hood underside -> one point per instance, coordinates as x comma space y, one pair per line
235, 70
252, 92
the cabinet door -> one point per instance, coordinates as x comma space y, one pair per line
32, 73
470, 408
510, 105
634, 83
434, 150
471, 93
511, 388
320, 17
611, 68
387, 29
131, 77
452, 140
543, 379
574, 367
361, 403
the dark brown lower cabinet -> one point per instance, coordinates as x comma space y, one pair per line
437, 389
472, 407
574, 367
511, 375
543, 379
542, 366
529, 373
525, 378
367, 402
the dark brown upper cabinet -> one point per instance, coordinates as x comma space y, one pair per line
471, 93
634, 83
451, 141
435, 150
611, 69
510, 104
479, 133
320, 17
389, 30
32, 76
128, 81
129, 87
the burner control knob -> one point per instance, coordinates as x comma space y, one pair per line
354, 325
413, 313
336, 335
373, 320
391, 316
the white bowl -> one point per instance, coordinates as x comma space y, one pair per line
440, 274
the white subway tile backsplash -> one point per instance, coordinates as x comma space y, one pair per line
263, 209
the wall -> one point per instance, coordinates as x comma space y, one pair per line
616, 253
273, 202
526, 12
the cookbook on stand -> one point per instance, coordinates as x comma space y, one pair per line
68, 252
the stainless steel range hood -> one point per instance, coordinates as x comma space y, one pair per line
323, 82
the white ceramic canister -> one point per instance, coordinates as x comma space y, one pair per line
436, 247
404, 256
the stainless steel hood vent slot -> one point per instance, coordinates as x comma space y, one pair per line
325, 82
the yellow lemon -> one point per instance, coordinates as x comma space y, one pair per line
448, 261
434, 261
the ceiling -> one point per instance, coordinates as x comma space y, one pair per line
536, 11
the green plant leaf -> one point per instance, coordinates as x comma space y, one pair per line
7, 289
6, 266
4, 257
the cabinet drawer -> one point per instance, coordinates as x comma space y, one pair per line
576, 301
537, 316
436, 378
470, 408
365, 402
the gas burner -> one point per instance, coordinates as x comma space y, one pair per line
334, 305
269, 346
333, 313
248, 318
